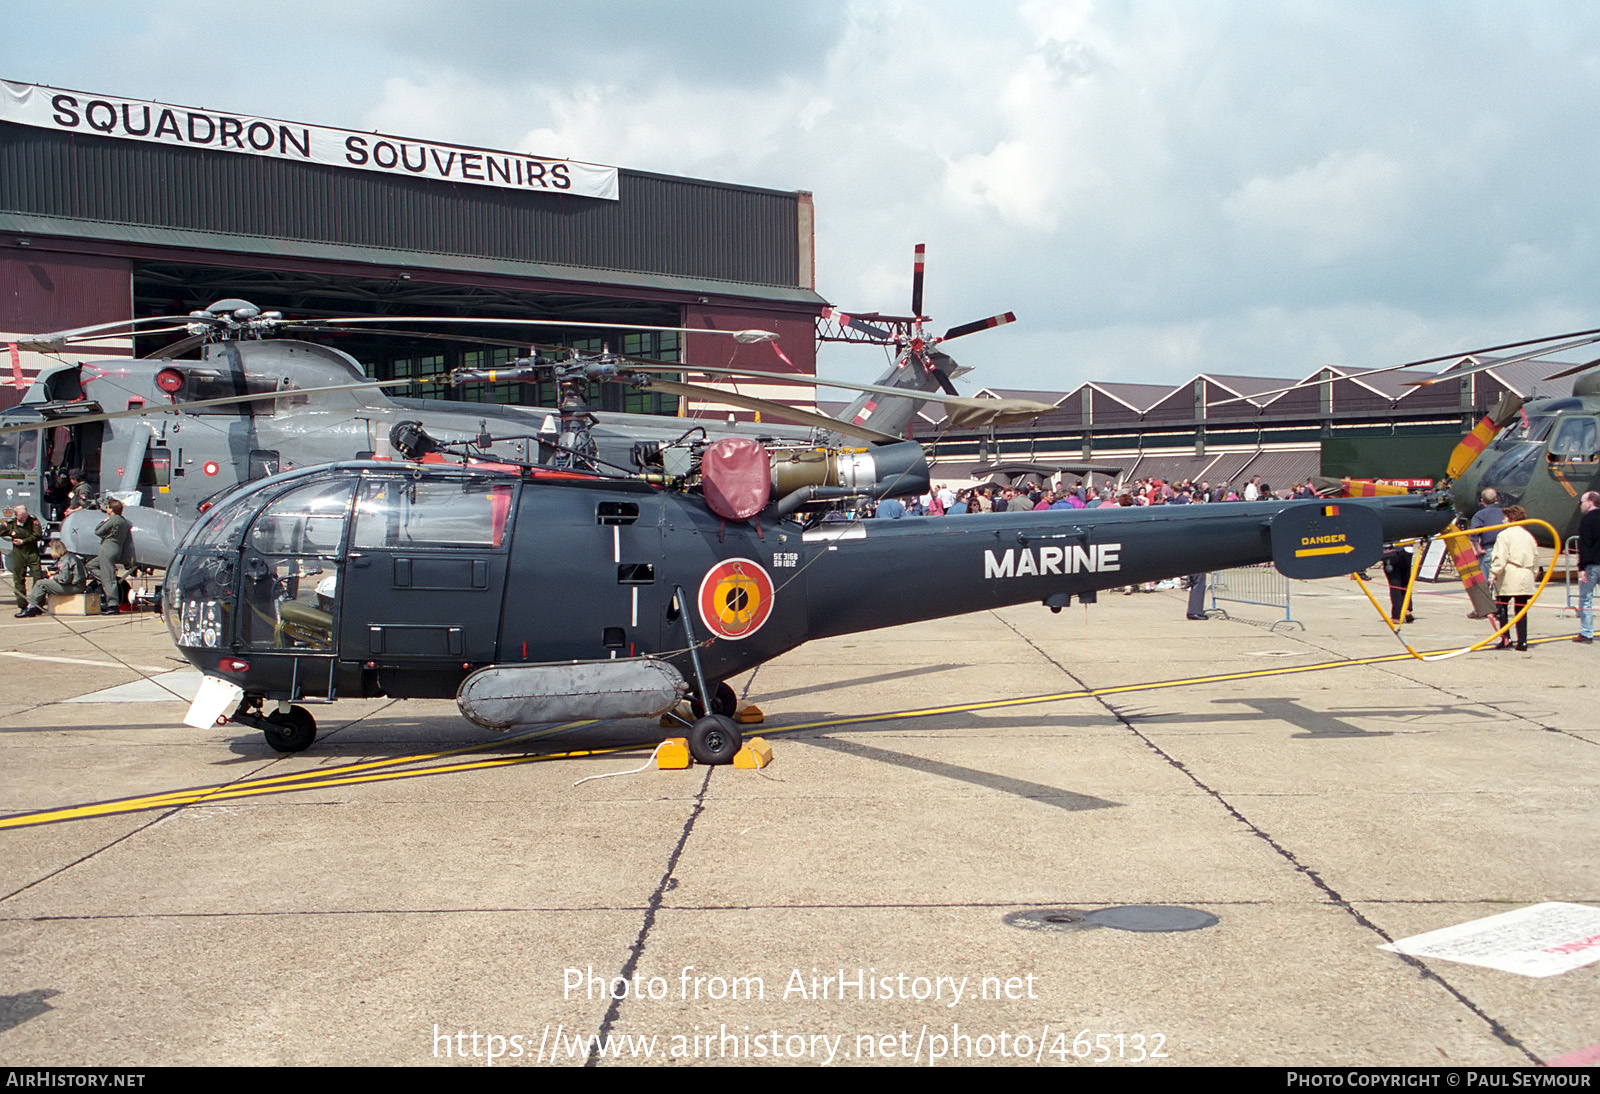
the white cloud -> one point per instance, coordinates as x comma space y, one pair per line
1155, 188
1344, 205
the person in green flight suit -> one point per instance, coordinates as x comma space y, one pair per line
113, 533
26, 535
68, 577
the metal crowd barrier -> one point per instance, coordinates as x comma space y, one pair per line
1261, 586
1570, 548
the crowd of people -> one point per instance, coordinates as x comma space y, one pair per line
1083, 494
1509, 557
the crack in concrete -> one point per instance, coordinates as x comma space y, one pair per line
1500, 1032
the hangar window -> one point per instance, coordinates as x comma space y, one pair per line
423, 369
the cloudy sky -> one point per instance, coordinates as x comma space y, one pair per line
1155, 188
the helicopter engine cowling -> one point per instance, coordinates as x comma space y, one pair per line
889, 470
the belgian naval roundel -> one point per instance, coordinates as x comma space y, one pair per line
735, 598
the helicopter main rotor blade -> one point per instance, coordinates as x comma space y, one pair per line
225, 400
54, 340
1024, 407
741, 336
34, 343
1481, 435
480, 340
982, 324
172, 349
767, 406
967, 413
1574, 370
1580, 335
1453, 373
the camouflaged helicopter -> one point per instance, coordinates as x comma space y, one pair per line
1542, 454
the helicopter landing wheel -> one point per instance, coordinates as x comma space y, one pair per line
714, 739
290, 731
725, 702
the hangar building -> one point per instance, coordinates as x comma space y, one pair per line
115, 208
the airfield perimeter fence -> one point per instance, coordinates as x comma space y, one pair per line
1261, 586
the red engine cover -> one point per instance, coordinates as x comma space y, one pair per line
736, 476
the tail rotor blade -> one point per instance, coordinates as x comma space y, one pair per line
982, 324
916, 279
845, 319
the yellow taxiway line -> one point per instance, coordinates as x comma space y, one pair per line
382, 770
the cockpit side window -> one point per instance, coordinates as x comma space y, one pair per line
19, 452
1536, 429
224, 526
290, 582
406, 513
1577, 439
308, 520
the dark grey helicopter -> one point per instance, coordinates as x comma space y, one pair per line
532, 594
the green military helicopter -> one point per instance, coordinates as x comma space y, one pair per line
1543, 455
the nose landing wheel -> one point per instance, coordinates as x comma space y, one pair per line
290, 730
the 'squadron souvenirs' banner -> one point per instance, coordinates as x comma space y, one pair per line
189, 127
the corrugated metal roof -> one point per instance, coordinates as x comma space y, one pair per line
1246, 385
1527, 378
1140, 397
1054, 398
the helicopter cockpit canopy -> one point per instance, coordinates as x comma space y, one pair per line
1577, 439
20, 451
277, 549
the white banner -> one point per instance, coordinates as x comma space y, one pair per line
137, 120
